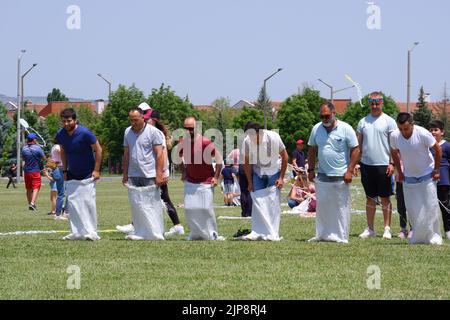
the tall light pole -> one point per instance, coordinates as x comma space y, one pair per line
408, 93
21, 105
18, 160
108, 82
332, 92
265, 95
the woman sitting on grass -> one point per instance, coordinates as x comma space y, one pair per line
302, 190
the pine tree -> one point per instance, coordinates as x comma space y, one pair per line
422, 115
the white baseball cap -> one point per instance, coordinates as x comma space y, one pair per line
144, 106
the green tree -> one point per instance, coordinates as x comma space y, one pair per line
53, 123
86, 117
263, 103
422, 115
354, 112
173, 109
295, 119
7, 129
42, 129
442, 113
114, 121
250, 114
56, 95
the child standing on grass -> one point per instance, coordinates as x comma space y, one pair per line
228, 177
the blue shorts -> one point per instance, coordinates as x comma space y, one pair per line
53, 186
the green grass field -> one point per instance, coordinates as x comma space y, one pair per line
34, 266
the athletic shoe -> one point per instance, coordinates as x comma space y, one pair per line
73, 236
133, 237
92, 237
403, 234
448, 235
387, 233
410, 234
367, 233
61, 217
128, 228
174, 231
32, 207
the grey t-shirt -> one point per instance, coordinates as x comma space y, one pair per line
140, 150
375, 144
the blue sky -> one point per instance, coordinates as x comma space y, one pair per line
213, 48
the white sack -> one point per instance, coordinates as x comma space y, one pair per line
423, 211
266, 212
199, 212
147, 212
82, 209
333, 211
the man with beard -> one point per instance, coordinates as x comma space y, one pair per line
336, 145
81, 156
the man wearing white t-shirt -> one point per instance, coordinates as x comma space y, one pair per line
262, 150
420, 173
376, 168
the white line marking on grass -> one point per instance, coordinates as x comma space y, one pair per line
29, 232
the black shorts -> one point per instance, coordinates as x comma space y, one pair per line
375, 181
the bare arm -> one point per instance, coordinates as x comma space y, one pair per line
98, 160
395, 154
284, 163
437, 161
64, 162
354, 158
126, 160
248, 172
160, 179
219, 160
312, 154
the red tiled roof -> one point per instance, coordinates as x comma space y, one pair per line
341, 104
435, 107
57, 106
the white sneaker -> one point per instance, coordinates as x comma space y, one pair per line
92, 237
448, 235
60, 218
174, 231
128, 228
73, 236
387, 233
133, 237
367, 233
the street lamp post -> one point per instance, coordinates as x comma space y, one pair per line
18, 160
108, 82
21, 104
265, 95
408, 93
332, 92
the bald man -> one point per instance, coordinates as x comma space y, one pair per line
199, 180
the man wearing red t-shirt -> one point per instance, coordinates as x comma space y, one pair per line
199, 180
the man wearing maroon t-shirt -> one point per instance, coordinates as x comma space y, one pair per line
199, 180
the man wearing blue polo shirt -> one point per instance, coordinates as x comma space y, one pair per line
336, 144
81, 156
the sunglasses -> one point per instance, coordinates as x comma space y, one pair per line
326, 116
375, 101
189, 129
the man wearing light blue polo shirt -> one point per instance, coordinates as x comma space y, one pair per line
336, 145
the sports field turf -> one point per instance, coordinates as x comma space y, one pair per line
35, 266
